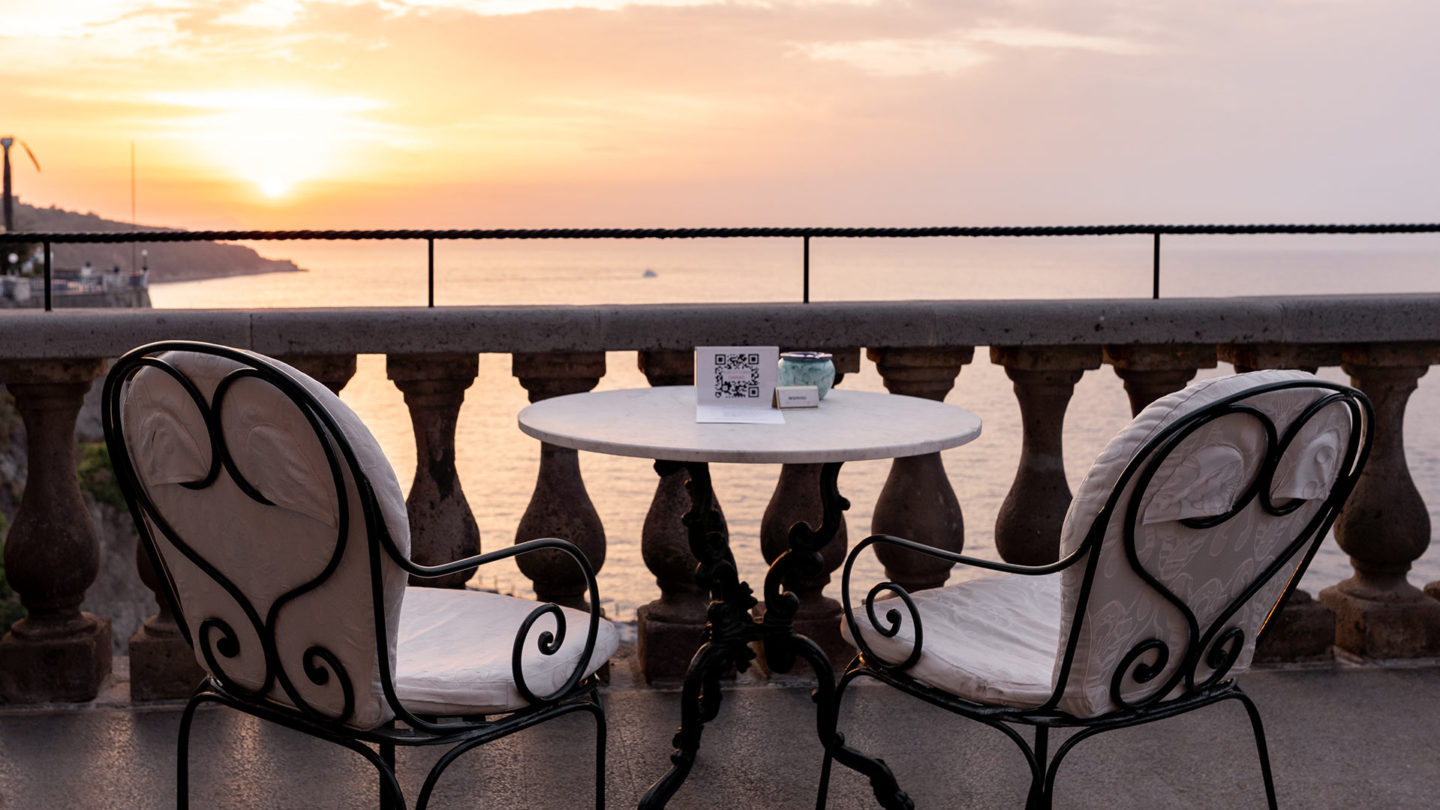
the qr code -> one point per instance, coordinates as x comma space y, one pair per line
737, 376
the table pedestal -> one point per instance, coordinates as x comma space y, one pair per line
730, 630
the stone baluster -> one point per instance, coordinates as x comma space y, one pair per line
917, 501
1304, 629
1152, 371
52, 554
1385, 526
560, 506
331, 370
797, 498
162, 665
442, 528
1301, 357
669, 628
1027, 528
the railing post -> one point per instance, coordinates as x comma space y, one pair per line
797, 498
442, 527
668, 629
1304, 629
1151, 371
560, 506
52, 553
917, 501
1027, 528
1385, 526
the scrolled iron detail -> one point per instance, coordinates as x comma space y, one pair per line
1223, 654
1140, 672
320, 676
227, 646
548, 642
894, 622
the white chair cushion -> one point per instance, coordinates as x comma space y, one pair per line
456, 648
269, 550
1205, 568
991, 639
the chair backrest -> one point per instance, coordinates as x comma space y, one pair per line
264, 503
1193, 524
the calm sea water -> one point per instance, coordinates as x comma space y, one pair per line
498, 464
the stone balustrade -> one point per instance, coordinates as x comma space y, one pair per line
1385, 344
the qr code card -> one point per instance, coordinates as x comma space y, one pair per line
735, 376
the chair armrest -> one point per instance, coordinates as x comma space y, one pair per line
893, 620
548, 642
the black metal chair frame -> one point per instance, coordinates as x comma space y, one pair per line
1215, 645
577, 693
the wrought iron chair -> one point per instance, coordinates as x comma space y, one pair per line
281, 538
1192, 527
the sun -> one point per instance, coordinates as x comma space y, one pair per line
273, 187
275, 139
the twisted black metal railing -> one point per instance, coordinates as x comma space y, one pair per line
49, 238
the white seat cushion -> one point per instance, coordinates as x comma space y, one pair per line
991, 640
455, 651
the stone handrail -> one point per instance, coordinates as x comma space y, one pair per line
1385, 343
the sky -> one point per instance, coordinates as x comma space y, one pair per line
586, 113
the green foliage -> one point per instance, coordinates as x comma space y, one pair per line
96, 475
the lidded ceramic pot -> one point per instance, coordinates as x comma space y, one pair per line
807, 368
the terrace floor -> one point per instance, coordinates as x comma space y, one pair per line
1342, 735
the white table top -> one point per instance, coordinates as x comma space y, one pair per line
659, 423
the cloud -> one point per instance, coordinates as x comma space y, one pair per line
278, 101
900, 58
265, 14
1020, 37
961, 50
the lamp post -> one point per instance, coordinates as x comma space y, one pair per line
7, 142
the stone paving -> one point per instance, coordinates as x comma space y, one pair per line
1343, 735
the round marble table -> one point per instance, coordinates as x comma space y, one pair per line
659, 423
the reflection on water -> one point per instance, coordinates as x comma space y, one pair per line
498, 464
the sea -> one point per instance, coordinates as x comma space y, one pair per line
498, 464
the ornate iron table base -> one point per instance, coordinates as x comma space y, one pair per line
730, 630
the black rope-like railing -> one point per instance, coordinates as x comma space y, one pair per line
47, 238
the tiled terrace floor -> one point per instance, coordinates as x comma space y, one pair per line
1343, 736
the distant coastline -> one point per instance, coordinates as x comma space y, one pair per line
166, 261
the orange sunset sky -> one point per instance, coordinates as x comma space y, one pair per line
545, 113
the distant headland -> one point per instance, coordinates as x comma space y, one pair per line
166, 261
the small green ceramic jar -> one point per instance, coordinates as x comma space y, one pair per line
808, 368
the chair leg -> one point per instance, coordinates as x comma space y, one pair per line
387, 756
1259, 730
600, 739
1039, 798
1053, 769
182, 758
829, 715
882, 781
